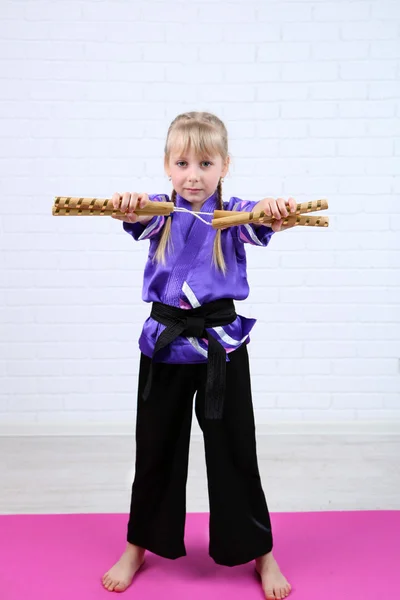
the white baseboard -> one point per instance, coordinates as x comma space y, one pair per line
273, 428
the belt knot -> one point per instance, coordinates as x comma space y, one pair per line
194, 326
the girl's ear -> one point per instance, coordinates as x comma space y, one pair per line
226, 167
166, 167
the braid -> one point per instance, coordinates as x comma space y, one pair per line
165, 242
218, 255
219, 192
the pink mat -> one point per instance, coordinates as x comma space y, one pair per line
325, 556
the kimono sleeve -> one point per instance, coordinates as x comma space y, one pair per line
249, 233
145, 231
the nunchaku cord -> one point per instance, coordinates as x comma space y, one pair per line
194, 214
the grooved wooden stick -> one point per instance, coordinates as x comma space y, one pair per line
306, 221
292, 221
69, 206
240, 217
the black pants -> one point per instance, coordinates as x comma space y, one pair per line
240, 526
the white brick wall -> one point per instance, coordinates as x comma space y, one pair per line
310, 94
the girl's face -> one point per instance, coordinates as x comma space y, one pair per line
195, 178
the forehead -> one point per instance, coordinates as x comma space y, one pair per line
190, 155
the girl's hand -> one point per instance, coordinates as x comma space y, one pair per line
278, 208
127, 203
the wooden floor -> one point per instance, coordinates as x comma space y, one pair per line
299, 473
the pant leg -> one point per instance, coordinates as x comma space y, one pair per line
240, 526
158, 503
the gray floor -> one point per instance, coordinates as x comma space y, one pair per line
299, 473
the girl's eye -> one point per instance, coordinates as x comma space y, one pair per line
183, 162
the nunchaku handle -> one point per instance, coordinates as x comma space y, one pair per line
69, 206
305, 220
222, 220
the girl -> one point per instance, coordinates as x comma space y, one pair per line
194, 343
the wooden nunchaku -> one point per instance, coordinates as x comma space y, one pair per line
70, 206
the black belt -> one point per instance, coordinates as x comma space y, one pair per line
194, 323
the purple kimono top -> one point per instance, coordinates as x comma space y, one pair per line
190, 279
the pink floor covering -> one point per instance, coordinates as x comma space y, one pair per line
325, 556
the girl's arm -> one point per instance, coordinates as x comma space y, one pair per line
248, 233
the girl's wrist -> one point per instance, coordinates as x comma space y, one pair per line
144, 219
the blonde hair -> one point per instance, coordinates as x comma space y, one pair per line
206, 134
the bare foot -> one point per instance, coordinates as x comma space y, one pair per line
274, 584
120, 576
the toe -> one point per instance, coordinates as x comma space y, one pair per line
269, 594
120, 587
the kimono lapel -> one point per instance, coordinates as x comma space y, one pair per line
189, 236
185, 221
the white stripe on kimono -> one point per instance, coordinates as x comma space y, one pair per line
152, 228
227, 338
194, 303
252, 239
190, 295
195, 343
